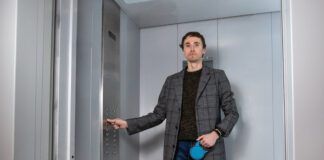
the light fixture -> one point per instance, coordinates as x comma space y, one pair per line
135, 1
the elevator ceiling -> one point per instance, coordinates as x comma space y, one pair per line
149, 13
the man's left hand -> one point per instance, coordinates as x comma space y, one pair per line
208, 140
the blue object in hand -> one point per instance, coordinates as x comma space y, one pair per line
197, 152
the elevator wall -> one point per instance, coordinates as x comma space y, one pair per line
305, 57
158, 57
88, 117
32, 79
8, 32
25, 67
249, 49
130, 80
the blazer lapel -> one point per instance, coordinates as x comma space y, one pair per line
179, 86
204, 78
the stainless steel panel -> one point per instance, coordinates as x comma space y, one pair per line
88, 114
64, 80
111, 77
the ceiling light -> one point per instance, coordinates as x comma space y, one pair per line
135, 1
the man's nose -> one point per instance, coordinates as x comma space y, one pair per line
192, 48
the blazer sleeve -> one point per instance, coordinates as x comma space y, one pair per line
152, 119
227, 104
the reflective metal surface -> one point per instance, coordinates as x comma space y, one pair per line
110, 77
64, 80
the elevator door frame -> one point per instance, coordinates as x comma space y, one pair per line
64, 82
63, 122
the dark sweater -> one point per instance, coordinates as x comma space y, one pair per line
188, 127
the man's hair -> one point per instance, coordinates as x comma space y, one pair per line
193, 34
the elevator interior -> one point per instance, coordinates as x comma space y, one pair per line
126, 48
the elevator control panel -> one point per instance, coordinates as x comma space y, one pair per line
208, 61
110, 135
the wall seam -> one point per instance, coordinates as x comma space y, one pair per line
272, 86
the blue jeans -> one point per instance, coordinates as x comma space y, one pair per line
182, 151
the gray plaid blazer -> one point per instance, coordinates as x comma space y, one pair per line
214, 95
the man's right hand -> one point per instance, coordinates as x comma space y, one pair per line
116, 123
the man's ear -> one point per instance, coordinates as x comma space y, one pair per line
203, 52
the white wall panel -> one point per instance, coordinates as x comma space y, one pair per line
8, 32
158, 60
246, 55
307, 37
278, 87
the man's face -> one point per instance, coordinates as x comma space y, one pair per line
193, 49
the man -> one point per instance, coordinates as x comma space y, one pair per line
191, 101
